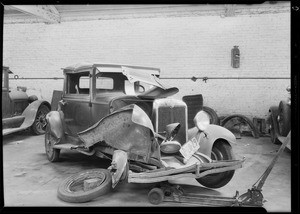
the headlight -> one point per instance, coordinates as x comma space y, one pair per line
201, 120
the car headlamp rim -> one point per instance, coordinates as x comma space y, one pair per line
201, 120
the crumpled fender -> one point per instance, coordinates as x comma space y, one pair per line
128, 129
213, 133
55, 120
30, 112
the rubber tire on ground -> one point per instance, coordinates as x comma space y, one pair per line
36, 129
156, 196
66, 194
52, 154
214, 119
255, 132
284, 125
222, 151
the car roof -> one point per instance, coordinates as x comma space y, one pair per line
86, 65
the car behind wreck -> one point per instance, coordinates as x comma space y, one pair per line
20, 111
106, 108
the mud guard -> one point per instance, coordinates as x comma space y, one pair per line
30, 112
128, 129
55, 120
118, 166
213, 133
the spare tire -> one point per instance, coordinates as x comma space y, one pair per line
245, 119
72, 188
214, 119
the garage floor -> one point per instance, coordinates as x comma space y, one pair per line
31, 180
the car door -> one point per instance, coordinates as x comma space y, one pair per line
6, 103
77, 101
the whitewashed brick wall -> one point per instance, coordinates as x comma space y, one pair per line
180, 46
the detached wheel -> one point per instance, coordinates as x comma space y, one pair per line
72, 189
284, 118
39, 125
220, 151
241, 119
156, 196
50, 140
213, 117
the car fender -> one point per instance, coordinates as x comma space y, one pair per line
55, 121
30, 112
128, 129
211, 135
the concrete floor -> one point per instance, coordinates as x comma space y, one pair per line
31, 180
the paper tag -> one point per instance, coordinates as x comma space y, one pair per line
189, 148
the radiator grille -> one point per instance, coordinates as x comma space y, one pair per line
166, 114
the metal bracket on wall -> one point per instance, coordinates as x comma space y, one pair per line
205, 79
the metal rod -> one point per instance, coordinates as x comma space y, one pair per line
207, 78
191, 78
268, 170
37, 78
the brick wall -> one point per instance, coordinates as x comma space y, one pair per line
180, 46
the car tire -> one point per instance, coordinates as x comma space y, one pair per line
52, 154
221, 151
71, 189
284, 118
39, 125
214, 119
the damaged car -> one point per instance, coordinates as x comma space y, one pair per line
126, 114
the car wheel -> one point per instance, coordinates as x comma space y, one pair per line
72, 189
39, 125
213, 117
52, 154
220, 151
284, 118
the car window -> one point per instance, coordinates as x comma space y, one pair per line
84, 82
104, 83
78, 83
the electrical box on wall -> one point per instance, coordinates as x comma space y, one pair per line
235, 57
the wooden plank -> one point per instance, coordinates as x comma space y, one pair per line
191, 168
145, 179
